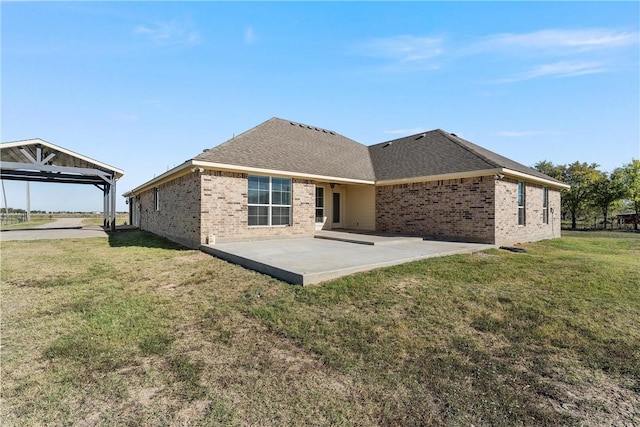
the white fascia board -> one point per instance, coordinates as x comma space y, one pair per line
441, 177
524, 176
274, 172
186, 167
167, 176
471, 174
118, 172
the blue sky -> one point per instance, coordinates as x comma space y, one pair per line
145, 86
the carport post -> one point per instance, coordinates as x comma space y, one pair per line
105, 205
113, 203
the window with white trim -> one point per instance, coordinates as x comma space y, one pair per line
319, 204
269, 201
522, 220
545, 205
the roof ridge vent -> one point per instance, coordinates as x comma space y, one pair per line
312, 128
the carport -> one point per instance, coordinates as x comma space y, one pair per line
37, 160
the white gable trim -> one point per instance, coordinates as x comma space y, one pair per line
37, 141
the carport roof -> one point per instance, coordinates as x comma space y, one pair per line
41, 161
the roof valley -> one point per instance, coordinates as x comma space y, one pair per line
285, 145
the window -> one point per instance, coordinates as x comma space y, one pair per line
269, 201
156, 198
545, 205
319, 204
521, 204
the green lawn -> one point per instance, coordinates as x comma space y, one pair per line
137, 331
26, 224
121, 219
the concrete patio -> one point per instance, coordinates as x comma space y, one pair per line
333, 254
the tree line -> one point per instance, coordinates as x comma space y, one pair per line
596, 191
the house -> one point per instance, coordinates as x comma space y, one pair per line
287, 179
627, 217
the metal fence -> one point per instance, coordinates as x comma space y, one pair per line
12, 218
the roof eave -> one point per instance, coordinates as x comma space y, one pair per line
548, 182
182, 170
439, 177
167, 176
470, 174
275, 172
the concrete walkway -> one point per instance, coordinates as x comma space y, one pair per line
331, 255
61, 228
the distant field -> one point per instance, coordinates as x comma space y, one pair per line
26, 224
133, 330
42, 219
121, 219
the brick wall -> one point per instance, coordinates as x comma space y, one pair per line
178, 218
508, 232
456, 209
214, 203
224, 210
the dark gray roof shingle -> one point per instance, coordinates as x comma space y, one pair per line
289, 146
436, 153
284, 145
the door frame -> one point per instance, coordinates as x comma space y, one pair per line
339, 191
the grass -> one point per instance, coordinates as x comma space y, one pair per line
26, 224
121, 219
42, 219
135, 330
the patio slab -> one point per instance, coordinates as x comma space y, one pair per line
306, 261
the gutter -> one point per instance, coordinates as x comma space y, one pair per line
498, 173
188, 166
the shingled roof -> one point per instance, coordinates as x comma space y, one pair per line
437, 153
284, 145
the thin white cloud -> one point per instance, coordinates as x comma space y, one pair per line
403, 48
404, 131
129, 118
249, 35
151, 101
526, 133
556, 41
557, 70
547, 53
170, 33
519, 134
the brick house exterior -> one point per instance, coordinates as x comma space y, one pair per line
432, 184
454, 209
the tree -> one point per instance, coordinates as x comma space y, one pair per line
554, 171
605, 191
548, 168
630, 176
580, 176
